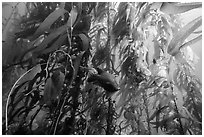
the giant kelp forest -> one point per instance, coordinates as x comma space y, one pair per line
100, 68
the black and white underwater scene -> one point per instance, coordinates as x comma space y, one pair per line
102, 68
